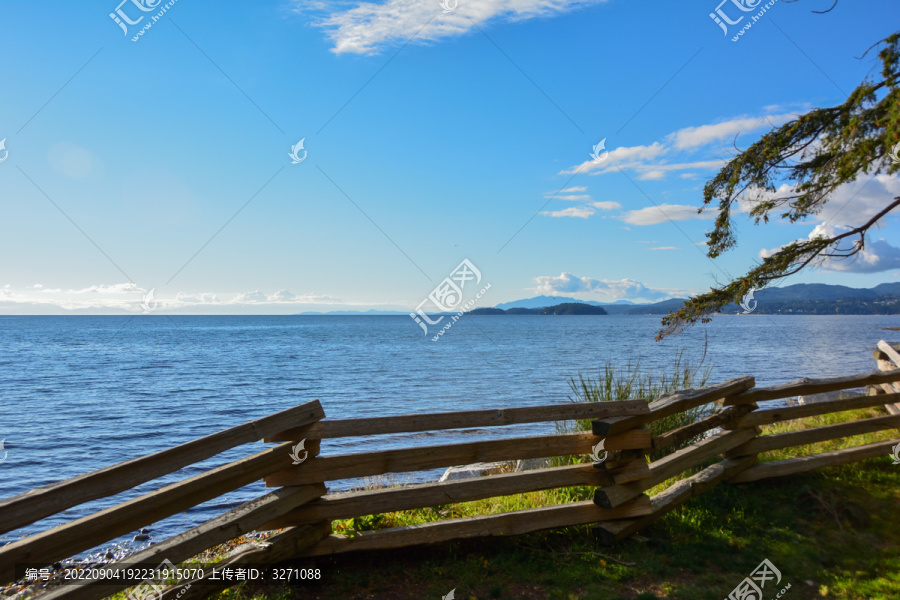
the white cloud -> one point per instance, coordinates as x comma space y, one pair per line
368, 27
877, 256
665, 248
857, 202
128, 297
623, 156
614, 289
635, 158
850, 205
703, 164
649, 160
691, 137
251, 297
581, 212
117, 288
653, 215
203, 298
606, 205
572, 193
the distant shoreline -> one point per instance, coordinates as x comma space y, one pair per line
566, 308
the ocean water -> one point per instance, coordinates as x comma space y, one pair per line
80, 393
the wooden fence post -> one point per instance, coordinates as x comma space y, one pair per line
621, 491
889, 359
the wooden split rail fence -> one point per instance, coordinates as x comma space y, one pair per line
302, 509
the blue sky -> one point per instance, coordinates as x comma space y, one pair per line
163, 163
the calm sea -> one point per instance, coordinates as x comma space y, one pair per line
79, 393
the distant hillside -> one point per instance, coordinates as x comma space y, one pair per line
615, 308
822, 291
859, 305
819, 298
804, 299
657, 308
566, 308
797, 299
542, 301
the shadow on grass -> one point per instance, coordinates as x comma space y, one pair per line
832, 534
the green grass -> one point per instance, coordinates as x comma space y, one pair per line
834, 533
617, 384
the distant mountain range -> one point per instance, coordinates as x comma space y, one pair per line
801, 298
797, 299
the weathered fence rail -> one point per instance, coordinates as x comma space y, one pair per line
303, 510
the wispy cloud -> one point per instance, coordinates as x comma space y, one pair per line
129, 297
652, 215
580, 212
623, 156
692, 137
606, 205
368, 27
682, 152
650, 162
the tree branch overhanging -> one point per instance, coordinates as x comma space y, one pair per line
787, 261
797, 167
